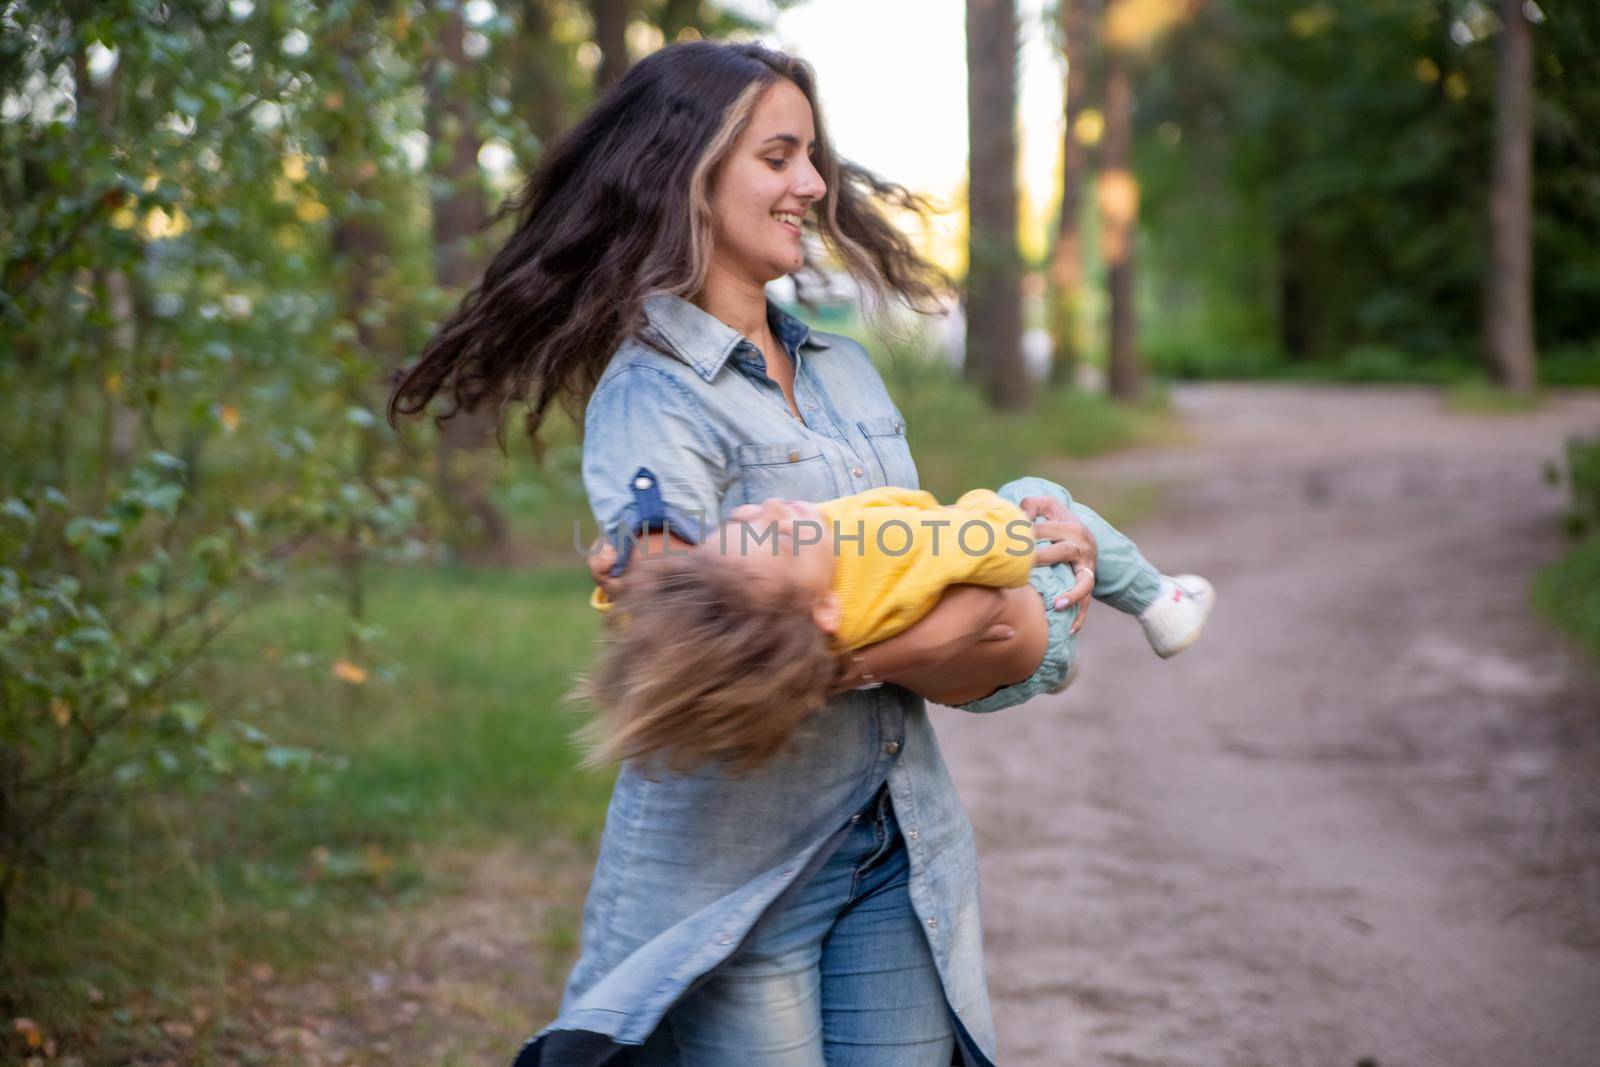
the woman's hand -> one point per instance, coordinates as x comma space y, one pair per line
1070, 543
602, 556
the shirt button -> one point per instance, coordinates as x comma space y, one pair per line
856, 817
912, 833
933, 924
794, 455
857, 471
892, 747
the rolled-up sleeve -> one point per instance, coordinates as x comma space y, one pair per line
642, 417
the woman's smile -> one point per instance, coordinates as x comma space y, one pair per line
790, 221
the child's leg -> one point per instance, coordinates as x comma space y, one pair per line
1123, 578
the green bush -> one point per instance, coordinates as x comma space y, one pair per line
1568, 591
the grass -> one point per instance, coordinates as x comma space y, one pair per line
454, 740
1476, 396
1568, 593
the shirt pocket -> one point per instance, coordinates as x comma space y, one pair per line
797, 471
886, 436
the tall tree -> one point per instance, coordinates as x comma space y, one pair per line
1131, 28
1119, 220
1066, 259
994, 263
611, 34
478, 527
1508, 310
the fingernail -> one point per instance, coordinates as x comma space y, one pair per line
1009, 632
1061, 604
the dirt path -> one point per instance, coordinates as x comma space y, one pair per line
1361, 820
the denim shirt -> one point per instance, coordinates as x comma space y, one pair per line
689, 863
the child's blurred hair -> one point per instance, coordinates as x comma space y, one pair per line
702, 662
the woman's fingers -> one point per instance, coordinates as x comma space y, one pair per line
1080, 594
1070, 542
1048, 506
602, 557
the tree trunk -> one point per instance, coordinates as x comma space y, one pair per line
1066, 260
611, 34
1508, 313
1296, 293
464, 466
119, 421
535, 63
994, 271
1119, 219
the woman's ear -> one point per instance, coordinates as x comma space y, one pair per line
827, 612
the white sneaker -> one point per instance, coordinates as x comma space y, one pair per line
1174, 619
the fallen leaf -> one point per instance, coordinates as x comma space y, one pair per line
60, 711
346, 671
29, 1031
379, 863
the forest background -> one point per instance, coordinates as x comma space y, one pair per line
230, 732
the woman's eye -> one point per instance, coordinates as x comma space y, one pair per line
777, 164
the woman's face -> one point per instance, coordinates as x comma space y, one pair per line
765, 186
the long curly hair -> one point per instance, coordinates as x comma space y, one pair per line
620, 209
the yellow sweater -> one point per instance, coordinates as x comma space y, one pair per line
882, 590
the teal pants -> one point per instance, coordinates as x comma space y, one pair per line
1123, 578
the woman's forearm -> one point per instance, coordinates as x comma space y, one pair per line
942, 657
981, 667
962, 616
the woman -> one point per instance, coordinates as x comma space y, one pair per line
824, 909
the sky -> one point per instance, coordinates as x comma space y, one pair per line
892, 79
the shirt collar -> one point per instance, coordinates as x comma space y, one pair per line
705, 341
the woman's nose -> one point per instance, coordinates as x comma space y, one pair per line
809, 183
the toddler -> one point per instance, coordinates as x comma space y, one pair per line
723, 650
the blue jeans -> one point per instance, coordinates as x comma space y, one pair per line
1123, 578
838, 974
